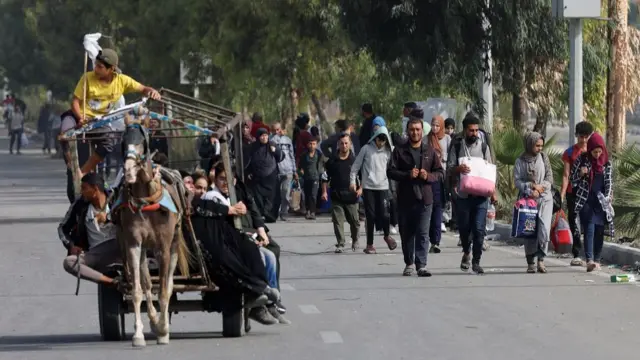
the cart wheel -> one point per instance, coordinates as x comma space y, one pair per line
111, 314
232, 320
232, 324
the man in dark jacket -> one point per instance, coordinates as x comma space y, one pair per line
89, 235
329, 146
415, 165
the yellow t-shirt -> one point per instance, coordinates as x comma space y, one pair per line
102, 97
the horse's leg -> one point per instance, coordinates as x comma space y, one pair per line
146, 287
133, 259
167, 267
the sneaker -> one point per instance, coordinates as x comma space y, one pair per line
465, 263
393, 230
577, 262
281, 308
476, 268
423, 272
262, 316
531, 268
312, 216
339, 249
283, 218
273, 311
370, 249
435, 249
409, 270
443, 228
272, 294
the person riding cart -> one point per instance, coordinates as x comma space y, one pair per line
89, 235
96, 94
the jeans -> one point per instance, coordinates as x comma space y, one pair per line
376, 210
311, 188
274, 247
47, 140
285, 193
472, 221
593, 241
269, 260
414, 232
573, 225
341, 212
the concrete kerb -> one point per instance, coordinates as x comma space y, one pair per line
611, 253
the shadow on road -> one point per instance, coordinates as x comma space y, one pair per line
33, 220
17, 343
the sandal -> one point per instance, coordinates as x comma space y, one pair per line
370, 250
391, 243
542, 269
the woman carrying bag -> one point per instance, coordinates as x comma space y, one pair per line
533, 177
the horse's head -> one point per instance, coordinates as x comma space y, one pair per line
135, 151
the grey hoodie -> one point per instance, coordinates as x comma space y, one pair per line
373, 163
288, 165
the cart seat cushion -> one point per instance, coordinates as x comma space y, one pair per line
166, 202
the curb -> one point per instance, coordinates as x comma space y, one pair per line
612, 253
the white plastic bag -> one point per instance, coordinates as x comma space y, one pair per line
24, 141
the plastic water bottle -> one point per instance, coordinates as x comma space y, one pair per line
491, 218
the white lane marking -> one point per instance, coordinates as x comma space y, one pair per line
331, 337
309, 309
287, 287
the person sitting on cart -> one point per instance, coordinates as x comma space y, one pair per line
104, 87
89, 235
253, 224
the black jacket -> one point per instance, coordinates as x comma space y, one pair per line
410, 190
72, 231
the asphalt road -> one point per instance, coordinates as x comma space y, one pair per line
350, 306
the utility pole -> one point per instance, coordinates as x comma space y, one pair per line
575, 77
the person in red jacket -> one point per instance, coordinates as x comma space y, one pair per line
258, 123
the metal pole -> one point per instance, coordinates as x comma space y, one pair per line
486, 87
575, 77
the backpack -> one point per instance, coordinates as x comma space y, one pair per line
457, 144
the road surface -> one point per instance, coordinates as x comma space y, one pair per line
350, 306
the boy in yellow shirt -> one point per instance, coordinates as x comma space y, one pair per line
104, 87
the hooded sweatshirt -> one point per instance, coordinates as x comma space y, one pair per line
373, 163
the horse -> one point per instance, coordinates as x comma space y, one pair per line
149, 218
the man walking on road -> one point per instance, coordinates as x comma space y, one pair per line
344, 201
415, 165
471, 210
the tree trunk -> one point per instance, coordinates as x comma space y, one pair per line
321, 115
519, 111
542, 119
616, 121
293, 102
